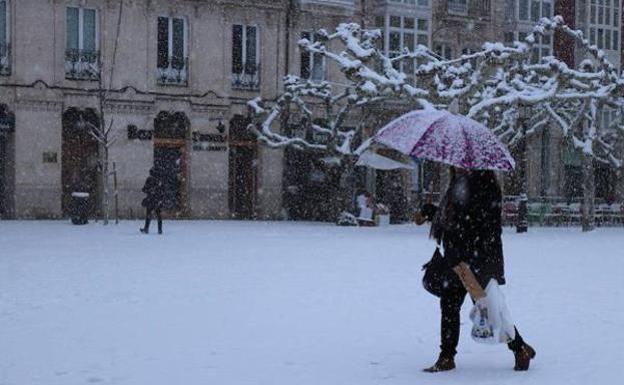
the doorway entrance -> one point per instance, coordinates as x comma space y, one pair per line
79, 158
170, 160
390, 190
242, 167
7, 166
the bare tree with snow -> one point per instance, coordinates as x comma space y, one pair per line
488, 85
103, 132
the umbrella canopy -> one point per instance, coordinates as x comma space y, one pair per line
379, 162
443, 137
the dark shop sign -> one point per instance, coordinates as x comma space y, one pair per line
209, 142
204, 146
212, 138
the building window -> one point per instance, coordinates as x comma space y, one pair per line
606, 119
509, 38
541, 48
403, 33
245, 57
312, 65
443, 50
470, 51
172, 60
534, 10
457, 7
604, 22
82, 57
5, 45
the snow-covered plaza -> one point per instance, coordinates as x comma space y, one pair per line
276, 303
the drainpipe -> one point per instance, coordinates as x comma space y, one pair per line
290, 10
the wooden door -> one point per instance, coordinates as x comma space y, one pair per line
242, 169
242, 181
170, 165
79, 158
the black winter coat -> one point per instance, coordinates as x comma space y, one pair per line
472, 233
153, 190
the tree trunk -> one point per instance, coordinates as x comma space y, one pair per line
105, 194
347, 185
589, 193
522, 221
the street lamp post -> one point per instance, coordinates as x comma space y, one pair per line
522, 224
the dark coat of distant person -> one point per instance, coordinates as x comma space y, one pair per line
153, 191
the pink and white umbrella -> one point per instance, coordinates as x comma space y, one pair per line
443, 137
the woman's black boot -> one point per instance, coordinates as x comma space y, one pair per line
523, 356
442, 365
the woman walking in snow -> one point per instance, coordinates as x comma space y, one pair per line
153, 201
468, 224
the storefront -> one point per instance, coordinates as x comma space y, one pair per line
7, 167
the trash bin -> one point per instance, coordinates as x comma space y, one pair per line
80, 208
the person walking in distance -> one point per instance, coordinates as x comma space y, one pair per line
153, 201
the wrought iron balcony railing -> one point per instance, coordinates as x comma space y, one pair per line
457, 8
174, 72
248, 79
5, 59
81, 64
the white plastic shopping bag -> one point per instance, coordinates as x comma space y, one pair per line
366, 214
492, 323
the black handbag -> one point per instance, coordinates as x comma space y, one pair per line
439, 277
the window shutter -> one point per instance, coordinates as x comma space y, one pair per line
88, 38
163, 42
3, 26
72, 28
305, 58
251, 56
178, 44
237, 49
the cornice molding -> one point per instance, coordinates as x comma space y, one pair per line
39, 105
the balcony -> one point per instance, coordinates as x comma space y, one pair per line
174, 72
5, 59
248, 79
81, 64
457, 7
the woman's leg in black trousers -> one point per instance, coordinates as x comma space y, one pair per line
148, 214
159, 217
450, 306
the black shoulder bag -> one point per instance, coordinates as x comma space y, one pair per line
439, 277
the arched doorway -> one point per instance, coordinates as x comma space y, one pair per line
79, 157
242, 167
7, 160
170, 160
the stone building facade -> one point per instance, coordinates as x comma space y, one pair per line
178, 74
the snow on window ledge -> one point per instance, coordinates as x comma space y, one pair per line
336, 3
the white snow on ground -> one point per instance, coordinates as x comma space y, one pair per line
233, 303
